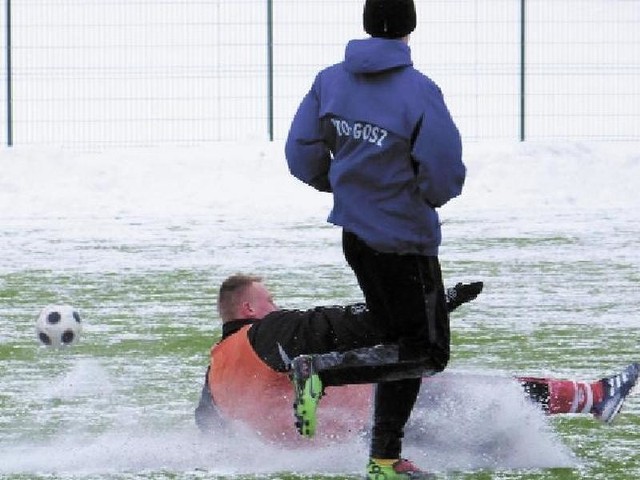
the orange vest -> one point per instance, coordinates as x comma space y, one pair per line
245, 389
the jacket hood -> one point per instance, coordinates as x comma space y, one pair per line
373, 55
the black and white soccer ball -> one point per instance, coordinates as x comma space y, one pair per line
58, 326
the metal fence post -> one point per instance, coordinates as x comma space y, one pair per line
270, 69
522, 68
9, 92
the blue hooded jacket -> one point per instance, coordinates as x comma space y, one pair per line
377, 133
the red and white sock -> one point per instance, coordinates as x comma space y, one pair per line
568, 396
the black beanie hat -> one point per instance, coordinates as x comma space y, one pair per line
389, 18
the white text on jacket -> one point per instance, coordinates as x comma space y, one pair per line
360, 131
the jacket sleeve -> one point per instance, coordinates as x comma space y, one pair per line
308, 156
318, 330
437, 151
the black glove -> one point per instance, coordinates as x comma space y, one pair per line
462, 293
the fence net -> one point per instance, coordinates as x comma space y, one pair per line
145, 72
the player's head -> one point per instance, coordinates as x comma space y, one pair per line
244, 296
389, 18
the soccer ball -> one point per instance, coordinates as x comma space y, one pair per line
58, 325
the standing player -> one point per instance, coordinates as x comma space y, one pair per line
377, 133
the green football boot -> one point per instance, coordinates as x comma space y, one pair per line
400, 469
307, 387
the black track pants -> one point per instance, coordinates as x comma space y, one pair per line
405, 297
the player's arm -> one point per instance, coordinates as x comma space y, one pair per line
437, 150
308, 156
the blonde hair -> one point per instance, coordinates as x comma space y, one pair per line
231, 294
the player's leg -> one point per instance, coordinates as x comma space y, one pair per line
405, 296
603, 398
